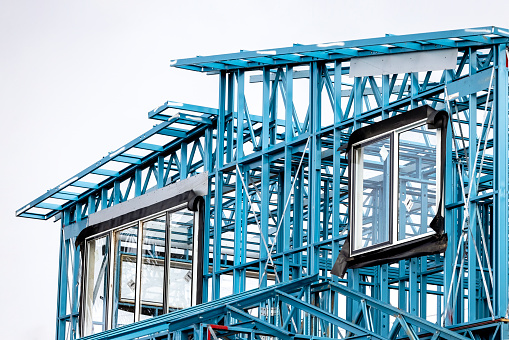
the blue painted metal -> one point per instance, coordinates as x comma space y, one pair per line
345, 49
277, 213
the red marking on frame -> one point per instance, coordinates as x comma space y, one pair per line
224, 328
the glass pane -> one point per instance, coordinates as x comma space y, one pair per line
372, 187
152, 269
125, 276
181, 244
417, 181
96, 285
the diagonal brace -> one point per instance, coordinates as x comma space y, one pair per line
391, 310
326, 316
261, 324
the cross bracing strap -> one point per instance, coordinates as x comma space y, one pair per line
262, 235
466, 198
287, 201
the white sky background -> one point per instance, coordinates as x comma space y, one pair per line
77, 79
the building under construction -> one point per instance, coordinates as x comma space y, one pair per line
348, 190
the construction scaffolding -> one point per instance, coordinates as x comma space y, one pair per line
266, 185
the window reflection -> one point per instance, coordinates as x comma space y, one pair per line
372, 180
124, 288
394, 187
417, 182
142, 287
96, 285
152, 268
180, 273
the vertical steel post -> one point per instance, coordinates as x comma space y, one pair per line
183, 161
384, 269
137, 182
218, 193
240, 222
62, 279
265, 189
472, 174
413, 285
229, 117
336, 182
117, 194
91, 205
353, 274
500, 154
451, 227
208, 166
75, 292
287, 174
314, 169
160, 172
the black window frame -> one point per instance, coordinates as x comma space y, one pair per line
428, 243
186, 200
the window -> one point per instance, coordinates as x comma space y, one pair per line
181, 258
142, 269
396, 173
124, 276
96, 284
394, 187
417, 181
372, 163
153, 262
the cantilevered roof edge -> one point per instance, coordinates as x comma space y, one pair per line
250, 59
196, 124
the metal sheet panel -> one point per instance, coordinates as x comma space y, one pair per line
403, 63
471, 84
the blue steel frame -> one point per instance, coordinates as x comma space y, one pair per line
277, 212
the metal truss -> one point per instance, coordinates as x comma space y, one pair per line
277, 212
290, 314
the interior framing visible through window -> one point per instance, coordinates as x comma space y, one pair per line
357, 214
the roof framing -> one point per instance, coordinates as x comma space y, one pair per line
190, 119
346, 49
195, 118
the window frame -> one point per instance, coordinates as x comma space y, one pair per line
393, 221
354, 213
84, 318
197, 272
438, 179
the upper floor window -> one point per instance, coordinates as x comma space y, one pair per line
394, 191
142, 269
396, 174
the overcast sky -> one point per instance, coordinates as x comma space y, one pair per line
77, 79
